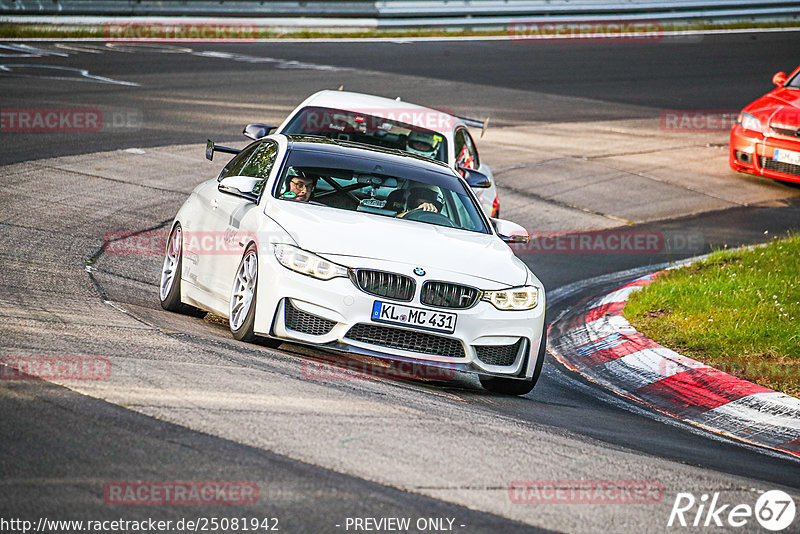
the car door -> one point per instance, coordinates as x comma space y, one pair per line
229, 213
205, 239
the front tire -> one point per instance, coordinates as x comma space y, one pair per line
242, 314
169, 289
512, 386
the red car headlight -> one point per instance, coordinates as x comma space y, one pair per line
749, 122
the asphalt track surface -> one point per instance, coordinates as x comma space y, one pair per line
58, 447
722, 72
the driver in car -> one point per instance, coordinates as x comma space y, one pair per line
301, 187
422, 199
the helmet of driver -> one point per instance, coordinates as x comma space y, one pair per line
423, 144
423, 193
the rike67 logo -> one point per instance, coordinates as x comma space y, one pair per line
774, 510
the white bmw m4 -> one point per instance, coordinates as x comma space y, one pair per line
370, 251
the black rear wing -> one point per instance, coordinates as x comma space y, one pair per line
474, 123
211, 148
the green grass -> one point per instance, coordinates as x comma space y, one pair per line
10, 30
736, 311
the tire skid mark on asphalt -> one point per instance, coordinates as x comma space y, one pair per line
92, 260
563, 204
667, 182
109, 179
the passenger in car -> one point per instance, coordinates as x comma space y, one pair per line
423, 144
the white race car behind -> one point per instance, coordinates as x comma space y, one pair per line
391, 123
362, 267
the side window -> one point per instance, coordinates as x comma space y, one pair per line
473, 151
235, 165
466, 154
460, 146
260, 163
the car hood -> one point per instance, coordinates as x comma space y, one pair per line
790, 97
348, 234
780, 106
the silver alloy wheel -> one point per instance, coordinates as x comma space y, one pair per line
171, 261
243, 290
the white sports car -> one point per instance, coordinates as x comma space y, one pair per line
376, 252
383, 122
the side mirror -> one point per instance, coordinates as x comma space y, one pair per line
779, 79
475, 178
510, 232
242, 186
257, 131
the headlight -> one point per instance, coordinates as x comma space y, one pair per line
516, 298
307, 263
749, 122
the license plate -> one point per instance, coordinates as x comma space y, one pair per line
787, 156
384, 312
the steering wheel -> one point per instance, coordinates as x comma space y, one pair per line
432, 217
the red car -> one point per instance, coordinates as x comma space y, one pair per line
766, 137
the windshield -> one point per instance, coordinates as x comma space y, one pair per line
378, 188
794, 82
369, 130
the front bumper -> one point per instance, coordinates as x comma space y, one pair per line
753, 153
336, 315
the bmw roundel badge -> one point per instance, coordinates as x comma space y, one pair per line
419, 271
